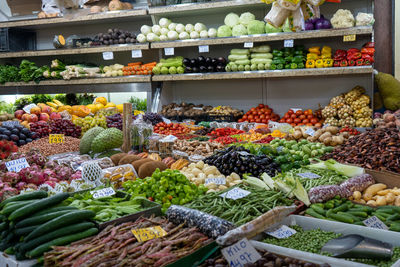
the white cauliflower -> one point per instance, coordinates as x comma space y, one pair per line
342, 19
364, 19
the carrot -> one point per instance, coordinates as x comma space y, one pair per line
135, 63
150, 63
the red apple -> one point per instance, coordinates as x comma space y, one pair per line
46, 109
55, 116
18, 114
36, 111
33, 118
25, 117
44, 117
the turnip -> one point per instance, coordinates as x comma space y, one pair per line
172, 35
180, 28
145, 29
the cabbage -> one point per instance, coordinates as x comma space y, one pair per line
164, 31
256, 27
224, 31
164, 22
145, 29
183, 36
286, 26
180, 28
231, 19
212, 32
163, 37
194, 35
172, 26
172, 35
246, 17
141, 38
271, 29
156, 29
239, 30
189, 28
152, 37
203, 34
198, 27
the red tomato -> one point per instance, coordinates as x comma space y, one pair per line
309, 124
302, 117
275, 116
313, 120
282, 120
244, 117
306, 112
259, 113
306, 121
310, 116
268, 111
293, 116
299, 112
252, 120
290, 112
268, 117
240, 120
258, 120
264, 121
289, 120
253, 109
297, 120
260, 105
262, 116
300, 124
250, 117
287, 116
254, 112
293, 124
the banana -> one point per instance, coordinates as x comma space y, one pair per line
51, 104
59, 103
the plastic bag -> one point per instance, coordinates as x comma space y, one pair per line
50, 6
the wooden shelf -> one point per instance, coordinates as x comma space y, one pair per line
366, 30
75, 51
265, 74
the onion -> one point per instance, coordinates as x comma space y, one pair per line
308, 26
322, 24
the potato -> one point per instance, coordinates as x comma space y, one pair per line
192, 166
235, 176
372, 190
357, 195
371, 202
381, 201
383, 192
361, 201
202, 175
390, 197
397, 201
332, 129
210, 170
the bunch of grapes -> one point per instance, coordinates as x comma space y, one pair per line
65, 127
41, 128
89, 122
115, 121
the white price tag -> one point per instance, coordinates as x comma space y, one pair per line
28, 108
17, 165
248, 45
169, 51
204, 49
177, 109
240, 253
167, 121
235, 193
282, 232
296, 109
288, 43
196, 108
10, 123
218, 181
136, 53
310, 131
108, 55
309, 175
105, 192
374, 222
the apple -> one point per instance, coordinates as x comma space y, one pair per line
55, 116
25, 124
18, 114
44, 117
36, 111
46, 109
25, 117
33, 118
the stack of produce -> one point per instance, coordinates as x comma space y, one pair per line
225, 140
218, 132
239, 60
5, 116
166, 188
17, 134
6, 148
354, 56
350, 109
41, 223
90, 122
98, 140
115, 36
226, 113
172, 65
65, 127
316, 23
184, 110
317, 58
329, 136
288, 58
387, 120
170, 128
138, 68
202, 64
260, 114
377, 195
197, 147
299, 118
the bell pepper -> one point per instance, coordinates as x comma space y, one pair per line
288, 58
336, 64
369, 51
289, 50
310, 64
312, 56
277, 53
315, 50
300, 65
299, 53
298, 59
328, 63
351, 62
287, 66
278, 60
343, 63
319, 63
353, 50
367, 57
369, 45
367, 62
326, 50
279, 66
353, 55
340, 55
326, 55
272, 67
293, 66
360, 62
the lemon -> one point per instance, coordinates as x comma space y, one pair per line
92, 107
101, 100
120, 108
110, 105
99, 106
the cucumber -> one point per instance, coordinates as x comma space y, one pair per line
27, 196
71, 229
318, 209
54, 209
3, 226
383, 214
314, 214
395, 227
341, 218
355, 218
362, 214
393, 217
359, 223
36, 206
363, 208
12, 206
64, 220
343, 207
20, 256
9, 251
25, 230
37, 252
2, 217
35, 220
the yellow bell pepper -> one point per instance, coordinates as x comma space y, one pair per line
312, 56
328, 63
315, 50
326, 56
310, 64
319, 63
326, 50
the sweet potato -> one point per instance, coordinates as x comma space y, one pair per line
128, 159
148, 168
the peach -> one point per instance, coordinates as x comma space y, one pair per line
44, 117
25, 117
36, 111
46, 109
18, 114
33, 118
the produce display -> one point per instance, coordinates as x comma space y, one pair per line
354, 56
298, 118
329, 136
138, 68
184, 110
288, 58
170, 128
172, 65
202, 64
256, 58
260, 114
196, 147
115, 36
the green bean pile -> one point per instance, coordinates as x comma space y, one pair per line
328, 177
242, 210
313, 241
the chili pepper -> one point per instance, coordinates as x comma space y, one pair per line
315, 50
328, 63
310, 64
360, 62
351, 62
353, 56
369, 45
343, 63
369, 51
319, 63
336, 64
312, 56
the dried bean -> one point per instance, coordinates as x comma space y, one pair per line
70, 144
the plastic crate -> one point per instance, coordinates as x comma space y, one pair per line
14, 40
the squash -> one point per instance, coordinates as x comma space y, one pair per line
65, 107
80, 111
58, 41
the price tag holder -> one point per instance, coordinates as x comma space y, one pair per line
28, 108
374, 222
218, 181
204, 49
10, 123
108, 55
169, 51
235, 193
144, 234
17, 165
196, 108
310, 131
296, 109
56, 138
137, 53
309, 175
282, 232
105, 192
249, 45
288, 43
240, 253
177, 109
349, 38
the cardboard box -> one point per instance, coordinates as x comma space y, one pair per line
391, 179
24, 7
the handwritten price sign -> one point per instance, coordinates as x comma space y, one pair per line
374, 222
106, 192
56, 138
17, 165
282, 232
235, 193
240, 253
144, 234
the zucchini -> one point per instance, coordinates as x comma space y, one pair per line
25, 230
37, 252
10, 251
27, 196
12, 206
63, 220
71, 229
2, 217
38, 205
54, 209
20, 256
3, 226
35, 220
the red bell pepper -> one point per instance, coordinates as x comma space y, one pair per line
351, 62
360, 62
369, 45
353, 56
367, 62
369, 51
337, 63
367, 57
343, 63
353, 50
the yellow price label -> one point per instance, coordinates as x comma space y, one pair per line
56, 138
349, 38
144, 234
218, 108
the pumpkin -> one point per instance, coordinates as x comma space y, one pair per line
58, 41
65, 107
80, 110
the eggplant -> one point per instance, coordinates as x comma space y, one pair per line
210, 69
186, 62
201, 60
208, 61
195, 69
188, 69
214, 61
220, 68
194, 63
203, 69
221, 60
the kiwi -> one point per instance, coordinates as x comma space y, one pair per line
117, 157
128, 159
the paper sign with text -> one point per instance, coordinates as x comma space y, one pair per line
282, 232
17, 165
105, 192
288, 43
144, 234
240, 253
219, 181
136, 53
204, 49
248, 45
108, 55
374, 222
28, 108
235, 193
56, 138
309, 175
169, 51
